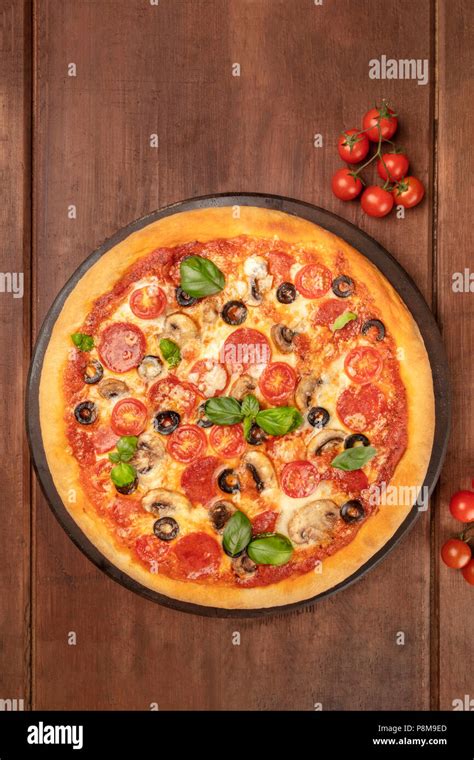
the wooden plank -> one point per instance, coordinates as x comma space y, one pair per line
14, 348
167, 69
456, 315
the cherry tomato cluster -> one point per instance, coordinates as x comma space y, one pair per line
378, 126
456, 552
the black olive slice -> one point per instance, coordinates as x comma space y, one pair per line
86, 412
166, 422
203, 420
318, 416
184, 299
129, 488
259, 484
256, 435
371, 324
93, 372
228, 481
234, 313
166, 528
220, 513
286, 292
352, 511
355, 438
342, 286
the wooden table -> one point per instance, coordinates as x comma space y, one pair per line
78, 163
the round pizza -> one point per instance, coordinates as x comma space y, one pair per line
226, 400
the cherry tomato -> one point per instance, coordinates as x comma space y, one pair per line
245, 347
468, 572
148, 302
380, 121
187, 443
279, 264
396, 164
170, 393
376, 201
353, 146
299, 479
363, 364
227, 440
456, 553
313, 280
277, 382
461, 506
409, 192
129, 417
345, 186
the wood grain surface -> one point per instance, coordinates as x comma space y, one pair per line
167, 69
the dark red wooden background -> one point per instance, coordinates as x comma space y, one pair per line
84, 140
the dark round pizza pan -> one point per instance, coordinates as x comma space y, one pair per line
392, 270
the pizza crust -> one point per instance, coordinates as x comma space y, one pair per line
205, 225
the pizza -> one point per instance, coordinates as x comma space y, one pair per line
225, 400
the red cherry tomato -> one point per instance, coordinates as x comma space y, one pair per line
313, 280
376, 201
243, 348
345, 186
279, 264
396, 164
170, 393
353, 146
227, 440
299, 479
277, 382
363, 364
187, 443
148, 302
456, 553
409, 192
461, 506
468, 572
380, 121
129, 417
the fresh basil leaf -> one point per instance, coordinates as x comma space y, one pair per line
247, 426
200, 277
270, 549
280, 420
237, 533
170, 351
82, 341
114, 456
250, 406
353, 459
223, 410
342, 320
126, 447
123, 474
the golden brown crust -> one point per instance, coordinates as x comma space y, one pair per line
205, 225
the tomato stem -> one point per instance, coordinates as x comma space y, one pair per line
464, 534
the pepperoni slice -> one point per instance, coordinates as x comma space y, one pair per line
264, 522
148, 302
151, 550
171, 394
187, 443
100, 475
227, 440
129, 417
279, 264
359, 407
198, 480
123, 510
313, 280
122, 346
104, 439
329, 311
199, 555
244, 348
299, 479
363, 364
353, 481
209, 377
278, 382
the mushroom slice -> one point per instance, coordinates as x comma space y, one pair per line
324, 439
159, 501
305, 395
313, 522
209, 313
149, 451
259, 280
283, 338
181, 328
112, 388
150, 367
243, 566
261, 470
243, 386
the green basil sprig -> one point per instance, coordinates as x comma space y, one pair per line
270, 549
226, 410
200, 277
250, 406
170, 351
237, 533
354, 459
122, 474
82, 341
280, 420
342, 320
